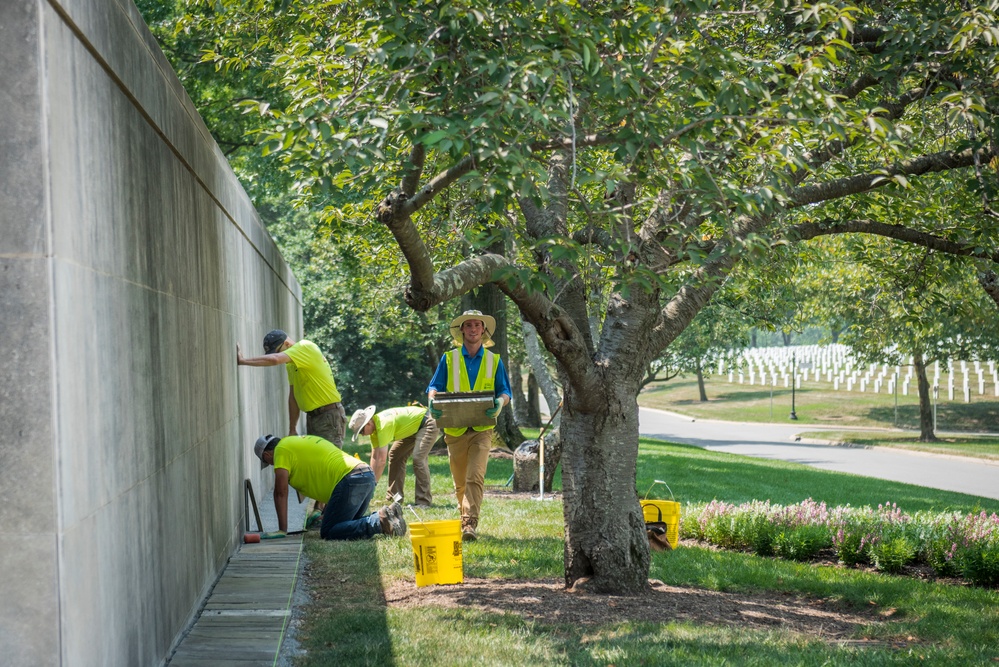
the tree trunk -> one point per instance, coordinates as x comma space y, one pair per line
700, 385
549, 389
925, 405
533, 417
786, 337
518, 401
835, 335
553, 454
752, 337
605, 539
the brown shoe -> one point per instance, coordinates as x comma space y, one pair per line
383, 518
396, 520
468, 530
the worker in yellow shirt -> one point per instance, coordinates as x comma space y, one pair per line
399, 432
318, 469
313, 388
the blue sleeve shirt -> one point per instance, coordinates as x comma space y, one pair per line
472, 364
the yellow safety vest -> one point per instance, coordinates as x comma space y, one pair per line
457, 379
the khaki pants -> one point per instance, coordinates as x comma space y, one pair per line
419, 445
330, 425
468, 455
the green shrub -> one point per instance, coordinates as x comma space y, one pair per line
801, 543
980, 565
977, 554
938, 536
891, 555
852, 530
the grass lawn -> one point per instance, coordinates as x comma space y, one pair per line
817, 403
711, 607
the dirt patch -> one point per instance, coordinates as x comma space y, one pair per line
547, 601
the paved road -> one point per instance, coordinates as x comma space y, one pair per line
776, 441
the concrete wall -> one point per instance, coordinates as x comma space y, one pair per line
131, 261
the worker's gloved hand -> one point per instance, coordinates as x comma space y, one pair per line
434, 412
277, 534
494, 411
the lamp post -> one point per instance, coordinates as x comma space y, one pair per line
793, 416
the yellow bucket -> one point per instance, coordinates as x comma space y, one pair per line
437, 552
664, 511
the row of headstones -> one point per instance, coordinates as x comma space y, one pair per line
775, 366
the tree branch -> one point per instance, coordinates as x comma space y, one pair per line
811, 230
453, 282
893, 111
844, 187
437, 184
414, 170
560, 336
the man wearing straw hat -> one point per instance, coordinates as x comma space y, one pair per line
313, 388
470, 367
399, 432
319, 469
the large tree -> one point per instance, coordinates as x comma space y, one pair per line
629, 156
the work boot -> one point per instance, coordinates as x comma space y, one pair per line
383, 518
396, 520
468, 530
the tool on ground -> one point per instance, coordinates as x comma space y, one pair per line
249, 500
254, 538
418, 517
541, 452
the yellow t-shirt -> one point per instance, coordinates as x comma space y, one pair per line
310, 376
315, 466
395, 424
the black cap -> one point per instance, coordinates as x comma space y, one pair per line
274, 340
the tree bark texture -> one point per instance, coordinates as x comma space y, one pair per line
533, 403
605, 531
518, 400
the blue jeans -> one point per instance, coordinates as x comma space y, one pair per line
346, 515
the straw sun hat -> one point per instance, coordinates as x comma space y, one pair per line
488, 323
359, 420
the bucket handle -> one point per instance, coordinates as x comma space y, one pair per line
659, 481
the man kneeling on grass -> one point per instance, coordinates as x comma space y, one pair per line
320, 470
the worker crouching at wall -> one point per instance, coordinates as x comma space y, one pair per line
320, 470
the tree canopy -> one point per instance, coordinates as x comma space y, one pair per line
609, 165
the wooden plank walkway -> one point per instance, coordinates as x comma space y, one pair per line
246, 616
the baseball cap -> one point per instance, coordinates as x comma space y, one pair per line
262, 444
273, 340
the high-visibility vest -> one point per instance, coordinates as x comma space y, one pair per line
457, 379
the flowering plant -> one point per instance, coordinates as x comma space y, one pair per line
886, 538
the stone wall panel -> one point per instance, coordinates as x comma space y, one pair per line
131, 261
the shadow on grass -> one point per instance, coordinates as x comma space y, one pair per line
958, 417
345, 621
